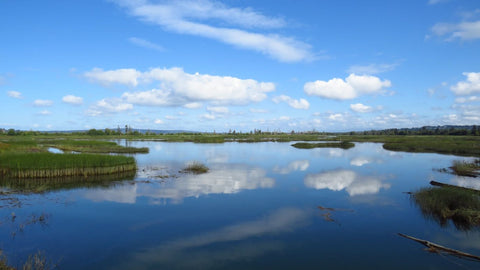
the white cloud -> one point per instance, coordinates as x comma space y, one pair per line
181, 88
338, 180
185, 17
193, 105
284, 118
350, 88
256, 110
336, 117
371, 68
71, 99
120, 76
221, 110
468, 87
42, 103
434, 2
467, 99
106, 106
301, 104
146, 44
208, 116
14, 94
462, 30
45, 112
158, 121
298, 165
359, 107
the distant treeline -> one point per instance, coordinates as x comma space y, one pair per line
472, 130
426, 130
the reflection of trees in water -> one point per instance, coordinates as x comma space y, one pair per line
447, 204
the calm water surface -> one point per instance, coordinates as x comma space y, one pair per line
261, 206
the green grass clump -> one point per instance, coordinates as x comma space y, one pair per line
464, 168
196, 168
442, 204
47, 165
343, 145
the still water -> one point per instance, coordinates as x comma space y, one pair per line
261, 206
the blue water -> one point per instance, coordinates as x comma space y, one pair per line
257, 208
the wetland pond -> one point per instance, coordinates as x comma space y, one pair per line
260, 206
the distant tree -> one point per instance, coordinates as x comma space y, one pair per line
11, 132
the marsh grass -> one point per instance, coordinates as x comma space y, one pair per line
465, 168
444, 204
90, 146
49, 165
343, 145
196, 168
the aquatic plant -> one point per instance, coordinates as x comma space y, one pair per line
48, 165
442, 204
196, 168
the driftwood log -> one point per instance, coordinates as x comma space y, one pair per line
438, 184
438, 248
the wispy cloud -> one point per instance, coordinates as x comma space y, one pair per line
462, 30
371, 69
146, 44
350, 88
108, 106
359, 107
42, 103
301, 104
197, 18
71, 99
14, 94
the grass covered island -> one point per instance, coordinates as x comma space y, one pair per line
47, 165
28, 157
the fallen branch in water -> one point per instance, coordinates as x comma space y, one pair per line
432, 247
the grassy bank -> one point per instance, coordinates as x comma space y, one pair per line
47, 165
444, 204
196, 168
343, 145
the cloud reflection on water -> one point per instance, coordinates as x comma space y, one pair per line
211, 248
220, 180
298, 165
352, 182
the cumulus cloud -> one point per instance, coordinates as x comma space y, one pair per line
107, 106
71, 99
15, 94
198, 17
462, 30
181, 88
359, 107
42, 103
158, 121
468, 87
145, 44
350, 88
119, 76
301, 104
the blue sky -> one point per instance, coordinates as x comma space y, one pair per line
239, 65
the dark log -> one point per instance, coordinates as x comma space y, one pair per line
435, 247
